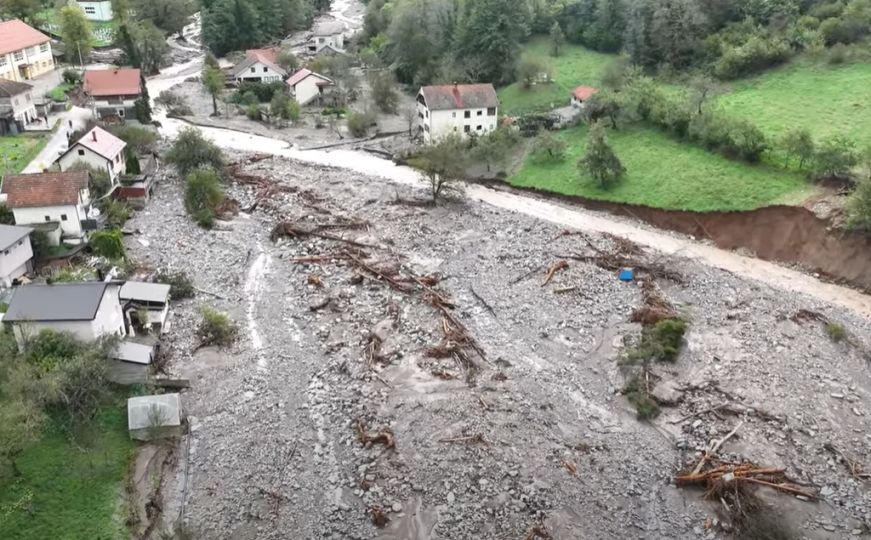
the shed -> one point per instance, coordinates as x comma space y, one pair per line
154, 417
130, 363
152, 298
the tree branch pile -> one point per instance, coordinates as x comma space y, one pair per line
655, 306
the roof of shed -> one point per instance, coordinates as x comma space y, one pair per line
459, 96
112, 82
584, 93
9, 234
16, 35
43, 189
60, 302
134, 353
138, 409
145, 292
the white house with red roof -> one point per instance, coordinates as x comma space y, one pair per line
581, 94
99, 149
305, 85
112, 92
25, 52
54, 198
259, 65
464, 109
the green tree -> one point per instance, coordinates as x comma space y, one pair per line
798, 143
150, 45
229, 25
107, 243
140, 140
21, 424
599, 161
859, 206
442, 164
202, 196
557, 39
530, 69
213, 82
383, 87
25, 10
169, 15
191, 151
606, 31
494, 147
288, 61
835, 158
490, 35
546, 147
75, 32
283, 107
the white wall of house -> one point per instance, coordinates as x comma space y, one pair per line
26, 63
69, 217
110, 315
96, 11
336, 41
22, 105
14, 261
439, 124
259, 72
113, 105
79, 152
307, 89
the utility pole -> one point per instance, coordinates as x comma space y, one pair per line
81, 64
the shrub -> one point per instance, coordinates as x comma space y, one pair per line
216, 328
138, 139
202, 196
7, 217
660, 343
263, 91
108, 244
645, 407
191, 151
836, 331
175, 105
835, 158
283, 107
99, 182
756, 54
253, 111
547, 148
71, 76
82, 384
117, 213
838, 54
358, 124
384, 94
180, 285
48, 349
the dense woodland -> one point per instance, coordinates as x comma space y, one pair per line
479, 40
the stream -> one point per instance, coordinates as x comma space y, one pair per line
567, 216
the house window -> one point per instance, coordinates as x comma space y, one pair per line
19, 56
480, 113
491, 111
427, 114
120, 112
2, 60
48, 218
454, 114
468, 114
81, 152
467, 129
478, 128
321, 40
63, 217
5, 252
265, 69
253, 69
43, 47
90, 10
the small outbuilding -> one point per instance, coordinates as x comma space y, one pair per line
149, 302
306, 85
581, 94
15, 253
327, 34
130, 363
154, 417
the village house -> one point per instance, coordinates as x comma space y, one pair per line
306, 85
58, 199
327, 34
130, 362
99, 149
25, 52
148, 301
259, 65
581, 94
464, 109
89, 311
16, 106
15, 253
112, 92
96, 10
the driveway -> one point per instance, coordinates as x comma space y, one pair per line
71, 120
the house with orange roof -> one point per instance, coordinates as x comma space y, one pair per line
25, 52
259, 65
581, 94
56, 203
112, 92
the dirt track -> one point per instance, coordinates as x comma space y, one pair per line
273, 449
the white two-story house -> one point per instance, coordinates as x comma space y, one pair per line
463, 109
15, 253
112, 92
99, 149
16, 106
25, 52
88, 310
259, 65
327, 34
305, 85
60, 198
95, 10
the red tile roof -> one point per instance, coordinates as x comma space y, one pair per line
303, 74
112, 82
43, 189
16, 35
583, 93
459, 96
102, 142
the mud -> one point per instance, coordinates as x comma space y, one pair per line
784, 234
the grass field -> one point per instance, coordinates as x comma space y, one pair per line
17, 152
825, 99
65, 492
665, 173
574, 67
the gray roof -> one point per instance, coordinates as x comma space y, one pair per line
329, 28
135, 353
138, 408
13, 88
61, 302
144, 292
9, 234
459, 96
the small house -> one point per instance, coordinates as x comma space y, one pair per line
15, 253
259, 65
581, 94
99, 149
464, 109
306, 85
148, 301
96, 10
88, 310
25, 52
17, 107
327, 34
130, 362
154, 417
51, 197
112, 92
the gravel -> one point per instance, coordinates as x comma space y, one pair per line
275, 455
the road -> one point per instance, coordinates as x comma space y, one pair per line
76, 117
